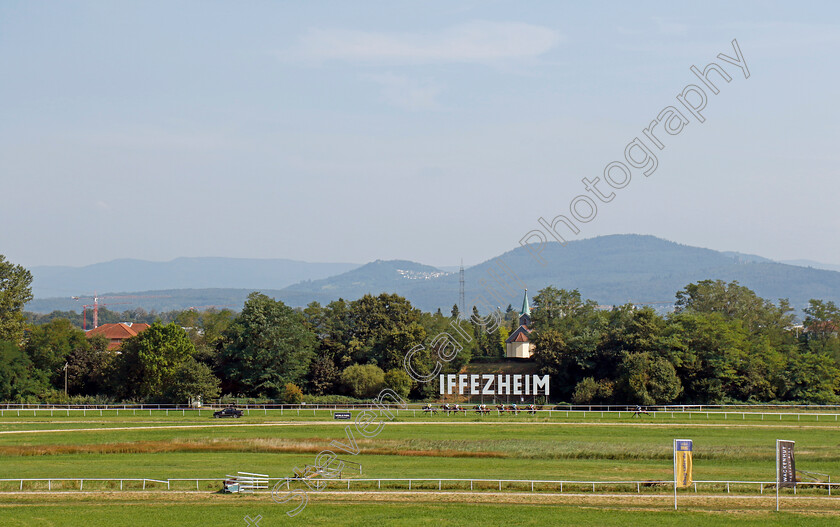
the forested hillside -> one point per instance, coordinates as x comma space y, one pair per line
612, 270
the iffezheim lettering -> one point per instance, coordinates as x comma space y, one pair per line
488, 384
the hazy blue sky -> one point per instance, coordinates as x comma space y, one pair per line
430, 131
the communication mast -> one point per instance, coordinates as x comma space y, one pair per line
461, 294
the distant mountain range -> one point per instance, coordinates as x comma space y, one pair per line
812, 263
609, 269
181, 273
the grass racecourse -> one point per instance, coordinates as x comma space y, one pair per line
569, 447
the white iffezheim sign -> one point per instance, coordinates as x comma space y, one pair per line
489, 384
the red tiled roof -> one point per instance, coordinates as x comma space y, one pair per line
520, 335
117, 333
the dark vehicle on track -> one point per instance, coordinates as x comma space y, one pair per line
228, 412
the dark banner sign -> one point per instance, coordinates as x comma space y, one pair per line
785, 464
341, 415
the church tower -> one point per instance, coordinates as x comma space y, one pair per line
518, 345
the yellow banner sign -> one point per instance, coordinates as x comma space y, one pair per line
683, 462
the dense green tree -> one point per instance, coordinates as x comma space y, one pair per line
397, 342
812, 378
192, 379
762, 371
711, 355
399, 381
552, 357
206, 329
568, 333
375, 321
643, 331
91, 369
363, 380
733, 301
590, 391
331, 325
15, 292
822, 322
763, 330
49, 345
19, 380
485, 347
647, 379
323, 375
265, 347
149, 361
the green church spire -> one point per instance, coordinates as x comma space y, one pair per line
526, 308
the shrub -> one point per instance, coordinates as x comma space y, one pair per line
292, 394
363, 380
591, 391
399, 381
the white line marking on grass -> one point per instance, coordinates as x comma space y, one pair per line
104, 429
413, 423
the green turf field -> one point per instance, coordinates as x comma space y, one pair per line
523, 447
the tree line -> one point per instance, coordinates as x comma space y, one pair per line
721, 344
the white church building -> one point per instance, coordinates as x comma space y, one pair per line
518, 345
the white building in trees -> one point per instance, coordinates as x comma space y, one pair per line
518, 345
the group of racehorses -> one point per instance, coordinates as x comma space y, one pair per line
480, 409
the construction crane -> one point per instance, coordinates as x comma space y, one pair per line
96, 313
96, 298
